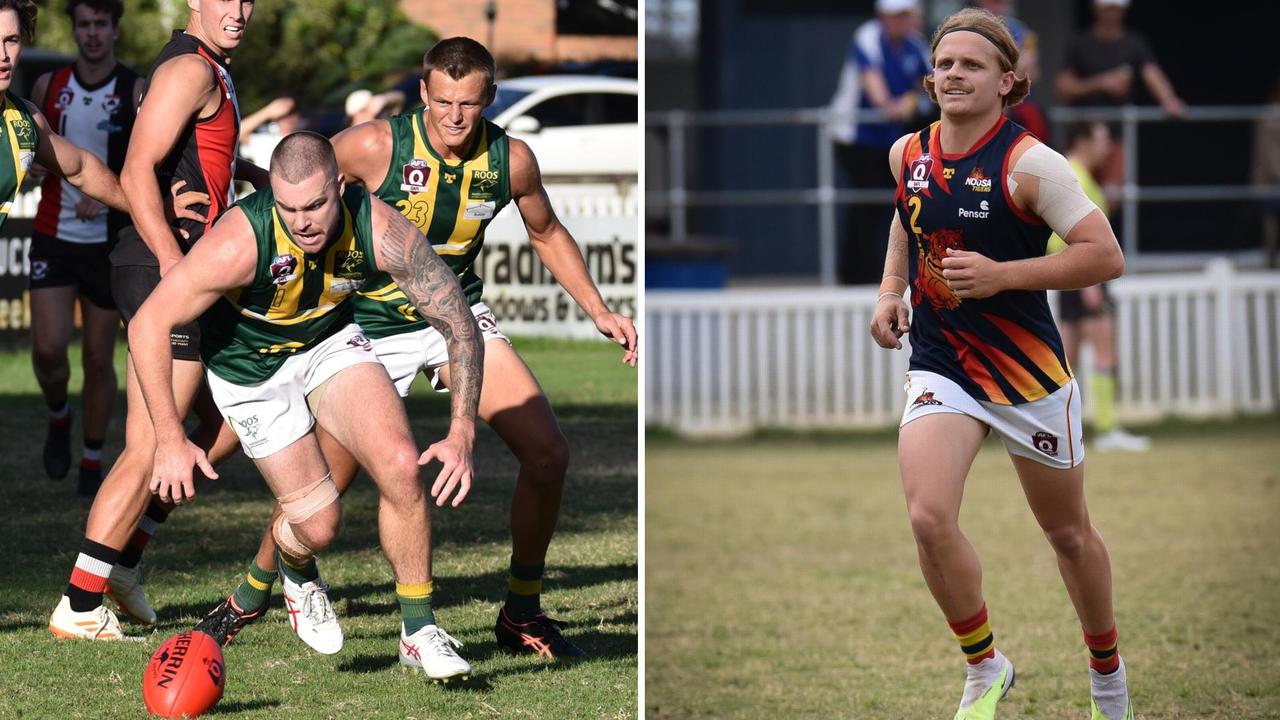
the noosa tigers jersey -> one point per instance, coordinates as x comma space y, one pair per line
451, 203
296, 298
1003, 349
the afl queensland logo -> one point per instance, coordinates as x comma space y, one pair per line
918, 173
415, 174
65, 96
283, 269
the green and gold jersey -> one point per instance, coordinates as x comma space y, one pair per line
18, 143
451, 203
296, 299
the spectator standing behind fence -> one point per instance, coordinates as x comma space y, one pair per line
1099, 70
1026, 113
1089, 313
1266, 171
887, 60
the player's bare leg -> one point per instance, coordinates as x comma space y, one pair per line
513, 404
935, 453
101, 326
1056, 497
115, 514
361, 410
51, 328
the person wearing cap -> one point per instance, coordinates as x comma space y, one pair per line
886, 60
365, 105
977, 200
1099, 71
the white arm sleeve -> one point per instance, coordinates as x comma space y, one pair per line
1062, 202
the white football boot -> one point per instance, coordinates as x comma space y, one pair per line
1121, 439
124, 585
432, 650
96, 624
312, 615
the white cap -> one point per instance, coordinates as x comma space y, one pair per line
357, 101
1116, 3
891, 7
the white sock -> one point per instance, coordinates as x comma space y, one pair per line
1110, 692
981, 676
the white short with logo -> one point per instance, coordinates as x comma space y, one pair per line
271, 415
1047, 430
407, 354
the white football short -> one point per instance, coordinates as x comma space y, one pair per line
425, 350
271, 415
1047, 430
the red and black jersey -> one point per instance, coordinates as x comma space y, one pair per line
205, 152
99, 118
1003, 349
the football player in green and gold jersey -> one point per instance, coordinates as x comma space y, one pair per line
450, 171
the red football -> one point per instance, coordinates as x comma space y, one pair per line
184, 677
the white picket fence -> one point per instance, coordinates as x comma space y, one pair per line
724, 362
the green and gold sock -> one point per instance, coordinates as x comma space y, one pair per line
255, 588
298, 573
415, 606
524, 591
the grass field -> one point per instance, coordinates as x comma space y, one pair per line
198, 554
782, 580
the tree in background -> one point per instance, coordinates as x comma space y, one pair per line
313, 50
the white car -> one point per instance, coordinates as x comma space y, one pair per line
576, 125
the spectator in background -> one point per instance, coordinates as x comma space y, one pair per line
1266, 171
365, 105
1099, 69
887, 60
264, 129
1089, 313
1026, 113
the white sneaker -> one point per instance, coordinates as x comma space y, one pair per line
124, 585
986, 684
432, 649
312, 615
1121, 439
1110, 695
96, 624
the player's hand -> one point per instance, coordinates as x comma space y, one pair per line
890, 321
972, 275
182, 202
454, 452
171, 476
87, 208
620, 329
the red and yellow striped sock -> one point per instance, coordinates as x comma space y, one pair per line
975, 637
1104, 651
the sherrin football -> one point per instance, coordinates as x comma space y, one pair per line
185, 676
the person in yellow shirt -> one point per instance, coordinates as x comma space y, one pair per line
1088, 314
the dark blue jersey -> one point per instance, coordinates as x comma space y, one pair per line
1003, 349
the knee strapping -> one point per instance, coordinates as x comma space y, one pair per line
299, 506
289, 543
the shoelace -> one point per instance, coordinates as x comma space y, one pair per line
104, 620
441, 642
316, 606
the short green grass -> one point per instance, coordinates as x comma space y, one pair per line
199, 553
782, 580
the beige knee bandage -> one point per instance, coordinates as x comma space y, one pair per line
289, 544
300, 505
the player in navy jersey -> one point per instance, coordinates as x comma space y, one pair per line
977, 199
187, 131
91, 102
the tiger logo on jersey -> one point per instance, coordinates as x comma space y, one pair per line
929, 280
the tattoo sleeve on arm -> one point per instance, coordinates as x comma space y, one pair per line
434, 290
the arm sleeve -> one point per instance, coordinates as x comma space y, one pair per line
1061, 202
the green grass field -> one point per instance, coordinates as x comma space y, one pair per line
199, 553
782, 580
